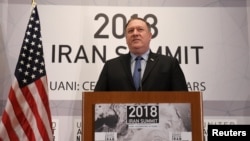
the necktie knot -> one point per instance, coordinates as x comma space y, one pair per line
138, 58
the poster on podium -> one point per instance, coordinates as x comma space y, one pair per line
142, 116
142, 122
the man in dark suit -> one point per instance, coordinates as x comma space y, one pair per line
157, 72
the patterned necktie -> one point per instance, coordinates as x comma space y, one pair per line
137, 72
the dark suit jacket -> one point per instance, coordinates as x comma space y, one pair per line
162, 73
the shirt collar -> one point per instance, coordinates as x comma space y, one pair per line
144, 56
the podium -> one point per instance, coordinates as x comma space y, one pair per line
144, 109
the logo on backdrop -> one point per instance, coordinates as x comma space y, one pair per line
65, 53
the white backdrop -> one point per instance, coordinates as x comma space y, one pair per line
212, 44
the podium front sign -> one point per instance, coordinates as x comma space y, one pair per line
143, 116
142, 122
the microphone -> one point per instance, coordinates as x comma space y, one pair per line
140, 87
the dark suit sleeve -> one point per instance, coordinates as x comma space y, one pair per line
102, 83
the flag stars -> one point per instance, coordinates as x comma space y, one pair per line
33, 11
31, 61
33, 43
26, 73
24, 81
39, 46
36, 61
41, 71
36, 28
31, 18
28, 66
26, 40
29, 58
34, 36
22, 62
30, 25
23, 55
38, 53
34, 68
42, 63
25, 47
28, 33
33, 76
20, 70
31, 50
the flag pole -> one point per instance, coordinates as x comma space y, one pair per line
33, 3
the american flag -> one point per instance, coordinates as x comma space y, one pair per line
27, 114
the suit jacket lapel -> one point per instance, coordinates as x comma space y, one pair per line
152, 60
126, 62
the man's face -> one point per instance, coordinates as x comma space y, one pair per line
138, 37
